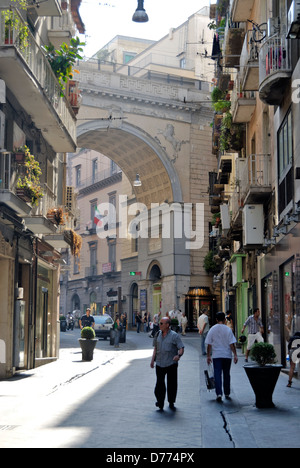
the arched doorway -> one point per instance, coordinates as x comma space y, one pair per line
134, 296
155, 277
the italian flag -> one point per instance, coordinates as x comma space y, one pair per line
98, 217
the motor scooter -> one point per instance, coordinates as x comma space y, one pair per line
70, 323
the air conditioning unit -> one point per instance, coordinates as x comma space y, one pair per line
253, 223
294, 21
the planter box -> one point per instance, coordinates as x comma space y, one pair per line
20, 158
87, 347
263, 381
23, 195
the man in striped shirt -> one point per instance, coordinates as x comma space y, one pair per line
255, 331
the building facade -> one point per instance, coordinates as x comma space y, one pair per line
38, 128
255, 192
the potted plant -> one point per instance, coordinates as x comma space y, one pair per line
63, 60
28, 184
264, 374
16, 30
87, 343
56, 215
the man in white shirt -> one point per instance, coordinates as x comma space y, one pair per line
220, 343
203, 327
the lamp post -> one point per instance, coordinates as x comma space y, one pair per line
140, 15
137, 182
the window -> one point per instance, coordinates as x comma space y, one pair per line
285, 163
78, 176
94, 170
127, 56
183, 63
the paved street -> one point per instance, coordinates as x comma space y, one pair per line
109, 403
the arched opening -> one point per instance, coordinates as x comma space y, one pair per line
134, 296
134, 151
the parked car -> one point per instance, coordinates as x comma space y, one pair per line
103, 325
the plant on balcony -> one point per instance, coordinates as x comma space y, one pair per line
210, 264
15, 27
62, 60
28, 183
56, 215
76, 243
231, 137
219, 102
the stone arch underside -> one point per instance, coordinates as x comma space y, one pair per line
134, 152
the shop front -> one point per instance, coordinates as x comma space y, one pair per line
196, 301
280, 274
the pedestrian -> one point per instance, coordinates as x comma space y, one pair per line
155, 328
168, 349
203, 327
255, 331
138, 320
183, 323
220, 343
229, 320
87, 320
145, 322
118, 328
293, 346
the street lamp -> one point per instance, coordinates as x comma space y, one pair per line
137, 182
140, 15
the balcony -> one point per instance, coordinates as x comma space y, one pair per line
256, 179
249, 69
28, 75
233, 43
62, 240
242, 103
275, 69
241, 9
8, 178
48, 8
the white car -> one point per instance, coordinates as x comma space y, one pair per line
103, 325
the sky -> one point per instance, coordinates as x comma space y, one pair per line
105, 19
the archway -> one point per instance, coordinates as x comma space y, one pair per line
134, 151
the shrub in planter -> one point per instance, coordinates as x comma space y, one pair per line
87, 343
263, 354
88, 333
264, 374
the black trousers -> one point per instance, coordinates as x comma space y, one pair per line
160, 389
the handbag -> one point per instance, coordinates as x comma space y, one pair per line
209, 378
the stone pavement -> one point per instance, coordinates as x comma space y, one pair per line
109, 403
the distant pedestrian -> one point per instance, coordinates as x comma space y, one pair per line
139, 321
293, 346
183, 323
118, 328
220, 343
155, 328
255, 331
87, 320
168, 349
203, 327
229, 320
